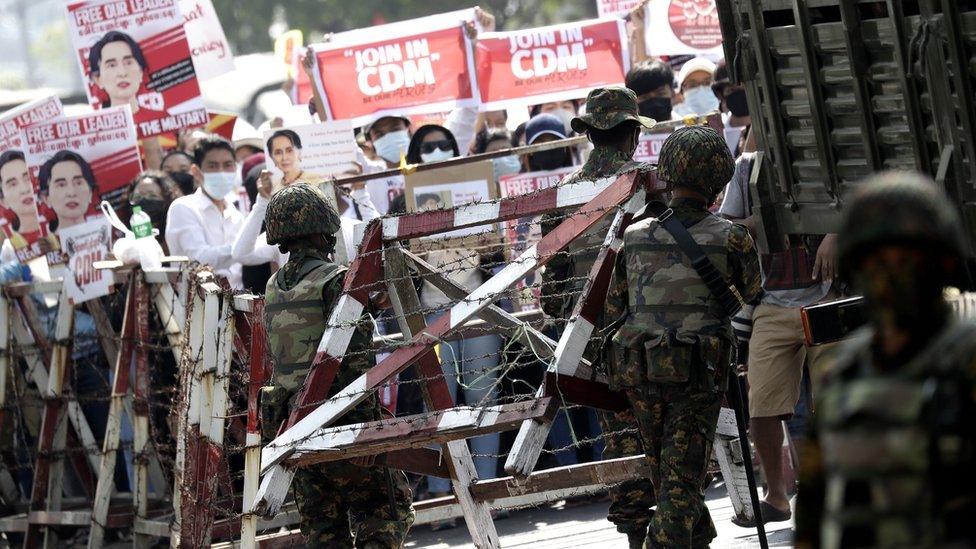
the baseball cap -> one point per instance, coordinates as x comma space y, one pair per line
542, 124
367, 127
694, 65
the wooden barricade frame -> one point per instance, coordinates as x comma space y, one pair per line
19, 319
625, 195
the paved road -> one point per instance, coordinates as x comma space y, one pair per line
586, 526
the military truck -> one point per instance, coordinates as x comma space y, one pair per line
838, 89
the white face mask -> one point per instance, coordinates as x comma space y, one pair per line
506, 165
392, 146
700, 100
437, 154
218, 185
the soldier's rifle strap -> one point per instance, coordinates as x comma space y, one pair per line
725, 293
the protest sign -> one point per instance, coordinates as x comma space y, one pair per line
449, 187
649, 144
208, 44
311, 153
523, 232
85, 244
135, 53
220, 123
383, 191
676, 27
615, 8
290, 49
419, 66
18, 205
77, 161
550, 63
649, 147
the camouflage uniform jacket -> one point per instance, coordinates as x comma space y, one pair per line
889, 449
565, 274
663, 300
298, 301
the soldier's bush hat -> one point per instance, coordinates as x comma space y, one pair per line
898, 207
697, 157
297, 211
608, 108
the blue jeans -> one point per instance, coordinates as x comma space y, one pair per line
469, 365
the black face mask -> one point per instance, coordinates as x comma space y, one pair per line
184, 180
737, 103
658, 108
549, 160
155, 208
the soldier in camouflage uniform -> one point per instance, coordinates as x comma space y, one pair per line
299, 300
894, 436
673, 350
613, 125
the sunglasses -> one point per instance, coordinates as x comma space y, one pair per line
430, 146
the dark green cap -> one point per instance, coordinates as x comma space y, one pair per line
608, 108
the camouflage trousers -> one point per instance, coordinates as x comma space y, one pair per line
677, 423
340, 502
631, 501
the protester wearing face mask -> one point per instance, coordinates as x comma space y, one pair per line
431, 143
732, 98
469, 365
154, 191
653, 83
496, 140
544, 128
695, 87
390, 136
203, 225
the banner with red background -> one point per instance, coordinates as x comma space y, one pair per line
553, 63
420, 66
18, 205
105, 142
148, 66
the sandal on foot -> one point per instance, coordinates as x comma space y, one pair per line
769, 514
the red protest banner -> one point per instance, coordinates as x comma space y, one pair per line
550, 63
135, 53
18, 206
420, 66
77, 161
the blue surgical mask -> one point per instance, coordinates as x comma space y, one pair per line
218, 185
436, 155
700, 100
506, 165
392, 146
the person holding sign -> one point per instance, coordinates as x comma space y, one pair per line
613, 125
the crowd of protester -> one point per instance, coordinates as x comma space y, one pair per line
208, 198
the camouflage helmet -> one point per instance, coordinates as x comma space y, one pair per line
898, 207
297, 211
696, 157
609, 107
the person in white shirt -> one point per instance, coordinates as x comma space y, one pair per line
251, 245
203, 225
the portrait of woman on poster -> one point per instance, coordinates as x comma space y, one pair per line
67, 186
17, 197
117, 66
